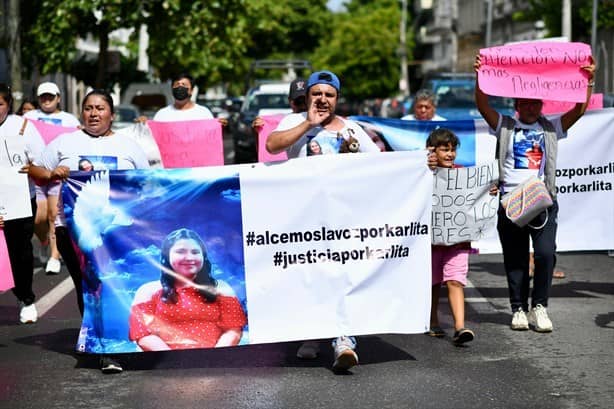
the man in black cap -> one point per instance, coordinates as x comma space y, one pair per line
296, 100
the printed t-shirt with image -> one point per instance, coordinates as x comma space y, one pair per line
321, 141
80, 151
525, 151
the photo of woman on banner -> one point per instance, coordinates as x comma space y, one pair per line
187, 308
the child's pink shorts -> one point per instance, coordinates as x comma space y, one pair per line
450, 263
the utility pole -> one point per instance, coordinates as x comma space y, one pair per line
14, 39
566, 20
488, 23
404, 81
594, 30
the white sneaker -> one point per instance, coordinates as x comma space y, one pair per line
519, 321
28, 314
53, 266
538, 319
345, 356
308, 350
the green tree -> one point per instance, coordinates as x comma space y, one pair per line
550, 12
362, 46
58, 23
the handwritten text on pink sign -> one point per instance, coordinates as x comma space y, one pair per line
541, 70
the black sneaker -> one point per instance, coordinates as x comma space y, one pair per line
462, 336
108, 365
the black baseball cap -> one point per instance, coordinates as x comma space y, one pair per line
298, 88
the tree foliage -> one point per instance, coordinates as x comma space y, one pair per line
550, 11
58, 23
362, 46
216, 40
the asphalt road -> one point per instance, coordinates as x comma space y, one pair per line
569, 368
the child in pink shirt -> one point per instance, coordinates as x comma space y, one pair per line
450, 264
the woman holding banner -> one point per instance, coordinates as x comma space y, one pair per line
514, 137
22, 144
187, 308
97, 142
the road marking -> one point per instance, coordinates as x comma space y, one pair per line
474, 299
54, 296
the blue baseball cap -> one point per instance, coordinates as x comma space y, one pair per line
324, 77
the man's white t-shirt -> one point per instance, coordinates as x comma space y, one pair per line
55, 118
172, 114
327, 141
525, 151
80, 151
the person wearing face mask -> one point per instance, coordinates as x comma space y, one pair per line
183, 109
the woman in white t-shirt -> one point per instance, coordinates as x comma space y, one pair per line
46, 195
21, 144
94, 145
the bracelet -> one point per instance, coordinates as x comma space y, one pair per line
591, 84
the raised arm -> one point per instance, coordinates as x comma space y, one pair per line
481, 100
281, 140
570, 117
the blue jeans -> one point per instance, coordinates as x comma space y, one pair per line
351, 341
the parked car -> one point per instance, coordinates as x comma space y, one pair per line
263, 99
148, 98
125, 115
455, 96
219, 107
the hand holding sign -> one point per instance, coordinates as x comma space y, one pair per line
540, 70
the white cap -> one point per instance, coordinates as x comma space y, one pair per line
47, 88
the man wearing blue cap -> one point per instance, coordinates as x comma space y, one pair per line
297, 132
320, 131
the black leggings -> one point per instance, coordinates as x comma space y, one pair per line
18, 234
65, 246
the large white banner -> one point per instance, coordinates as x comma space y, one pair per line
585, 177
336, 245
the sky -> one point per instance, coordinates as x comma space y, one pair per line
335, 5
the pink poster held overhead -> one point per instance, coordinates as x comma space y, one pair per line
270, 123
540, 70
189, 144
6, 273
559, 107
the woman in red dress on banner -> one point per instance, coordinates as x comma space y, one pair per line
187, 308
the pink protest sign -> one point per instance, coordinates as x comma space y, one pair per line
558, 107
270, 123
49, 131
540, 70
6, 273
189, 144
